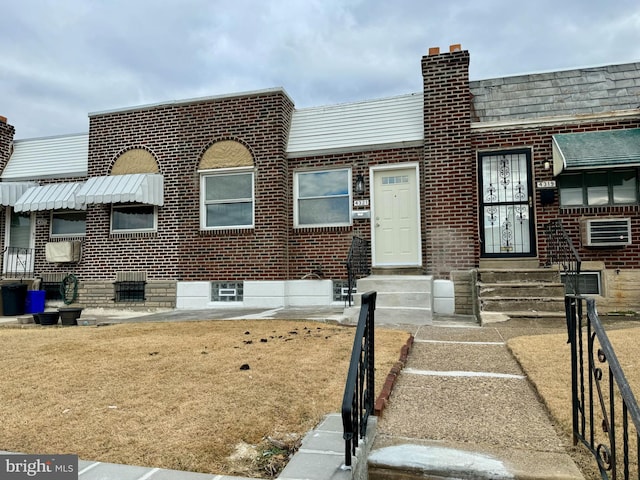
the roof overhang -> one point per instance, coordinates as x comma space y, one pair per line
593, 150
55, 196
147, 188
10, 192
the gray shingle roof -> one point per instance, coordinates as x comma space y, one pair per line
570, 92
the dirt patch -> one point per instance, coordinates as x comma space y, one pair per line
180, 396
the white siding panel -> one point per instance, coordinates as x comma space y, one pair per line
51, 157
369, 123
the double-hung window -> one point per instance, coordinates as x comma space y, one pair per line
65, 223
227, 199
133, 218
322, 198
593, 189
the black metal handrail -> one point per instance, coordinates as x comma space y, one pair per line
358, 264
605, 413
18, 262
561, 252
358, 401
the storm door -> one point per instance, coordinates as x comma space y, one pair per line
506, 204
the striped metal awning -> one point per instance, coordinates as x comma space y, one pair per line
10, 192
55, 196
147, 188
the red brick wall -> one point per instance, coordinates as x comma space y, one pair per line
329, 247
450, 175
539, 140
6, 139
178, 135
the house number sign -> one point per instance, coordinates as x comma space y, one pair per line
546, 184
361, 203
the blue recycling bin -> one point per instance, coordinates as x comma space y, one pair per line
35, 301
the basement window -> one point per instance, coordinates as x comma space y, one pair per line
588, 283
227, 291
129, 292
341, 290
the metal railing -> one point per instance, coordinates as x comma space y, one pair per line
561, 252
605, 413
18, 262
358, 401
358, 264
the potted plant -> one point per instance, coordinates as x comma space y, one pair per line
70, 315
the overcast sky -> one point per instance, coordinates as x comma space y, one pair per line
61, 59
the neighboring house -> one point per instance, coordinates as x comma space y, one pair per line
244, 200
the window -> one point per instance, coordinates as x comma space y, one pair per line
67, 223
227, 291
322, 198
592, 189
136, 218
129, 292
588, 283
341, 290
227, 200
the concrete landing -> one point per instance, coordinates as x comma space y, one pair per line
463, 408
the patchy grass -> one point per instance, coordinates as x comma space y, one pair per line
546, 359
187, 396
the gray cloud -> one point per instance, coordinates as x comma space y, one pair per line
61, 60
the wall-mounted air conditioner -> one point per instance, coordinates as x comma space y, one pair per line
63, 252
606, 232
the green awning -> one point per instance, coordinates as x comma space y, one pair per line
589, 150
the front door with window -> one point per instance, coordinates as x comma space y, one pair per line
396, 217
506, 204
19, 241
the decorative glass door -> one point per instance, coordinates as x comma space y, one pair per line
506, 196
19, 240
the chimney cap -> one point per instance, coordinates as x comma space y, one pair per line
434, 51
456, 47
3, 119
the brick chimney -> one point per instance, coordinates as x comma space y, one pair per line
6, 141
450, 167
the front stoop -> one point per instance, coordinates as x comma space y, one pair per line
401, 299
437, 461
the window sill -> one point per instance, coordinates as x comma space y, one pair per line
621, 209
227, 232
133, 234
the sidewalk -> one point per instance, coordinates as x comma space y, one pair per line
462, 408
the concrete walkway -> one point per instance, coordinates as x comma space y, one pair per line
462, 408
461, 400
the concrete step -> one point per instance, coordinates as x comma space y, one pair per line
519, 275
526, 289
522, 304
395, 283
399, 299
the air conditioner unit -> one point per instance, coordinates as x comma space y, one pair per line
606, 232
63, 252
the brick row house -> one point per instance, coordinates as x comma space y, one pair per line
244, 200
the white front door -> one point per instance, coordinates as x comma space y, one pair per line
396, 217
19, 242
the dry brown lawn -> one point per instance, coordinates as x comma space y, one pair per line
174, 395
546, 361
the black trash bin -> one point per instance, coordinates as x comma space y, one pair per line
14, 297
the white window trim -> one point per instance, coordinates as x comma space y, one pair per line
65, 235
138, 230
296, 222
227, 171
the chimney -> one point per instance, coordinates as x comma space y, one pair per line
6, 141
3, 119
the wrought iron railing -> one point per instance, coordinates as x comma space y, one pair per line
606, 417
561, 252
18, 262
358, 264
358, 401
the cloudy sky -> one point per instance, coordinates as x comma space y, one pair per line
61, 59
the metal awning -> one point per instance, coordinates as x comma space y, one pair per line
55, 196
590, 150
10, 192
147, 188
